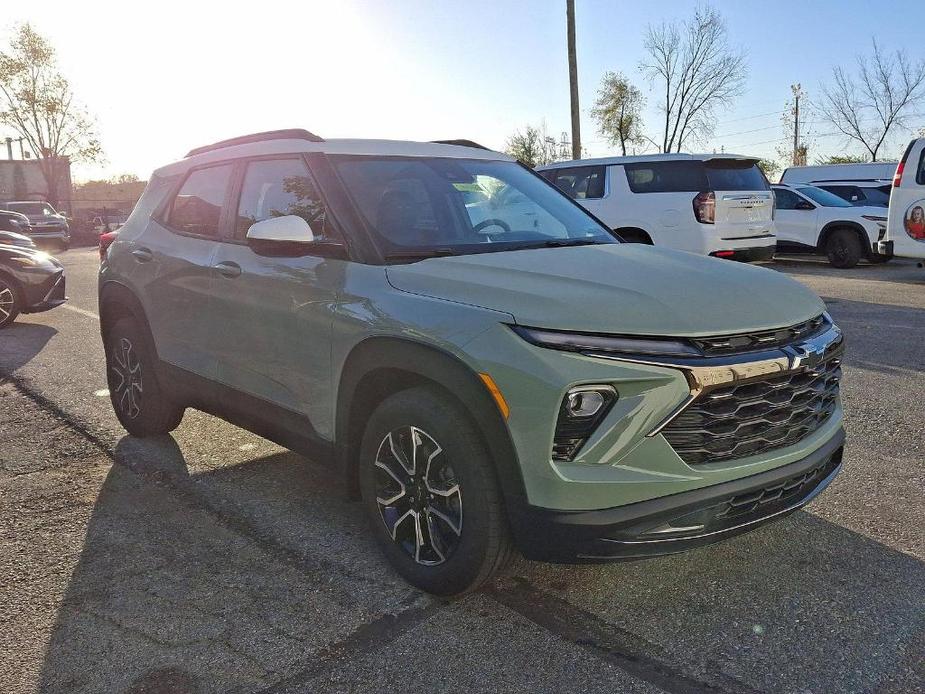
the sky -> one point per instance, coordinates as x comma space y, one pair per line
163, 77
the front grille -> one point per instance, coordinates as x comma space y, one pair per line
750, 418
764, 339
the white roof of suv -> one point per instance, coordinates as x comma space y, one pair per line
289, 141
642, 158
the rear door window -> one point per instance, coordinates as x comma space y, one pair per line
666, 177
197, 207
580, 183
920, 174
726, 174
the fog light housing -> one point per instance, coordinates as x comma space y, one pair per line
582, 409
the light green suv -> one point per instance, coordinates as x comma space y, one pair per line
490, 367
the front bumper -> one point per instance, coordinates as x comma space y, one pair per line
677, 522
45, 294
50, 234
884, 247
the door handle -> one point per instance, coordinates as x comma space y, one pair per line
227, 269
143, 255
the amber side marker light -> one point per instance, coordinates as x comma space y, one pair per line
496, 394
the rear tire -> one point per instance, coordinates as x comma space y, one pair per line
138, 398
10, 302
843, 247
416, 510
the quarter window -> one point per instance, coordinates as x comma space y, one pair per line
666, 177
197, 208
580, 183
276, 188
920, 175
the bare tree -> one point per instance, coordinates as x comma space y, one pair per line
37, 102
880, 98
617, 111
696, 70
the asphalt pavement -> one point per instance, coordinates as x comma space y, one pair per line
214, 560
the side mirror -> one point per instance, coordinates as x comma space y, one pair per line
290, 236
804, 205
286, 229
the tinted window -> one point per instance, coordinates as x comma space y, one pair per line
849, 193
197, 208
920, 175
785, 199
823, 197
581, 182
725, 174
33, 208
666, 177
276, 188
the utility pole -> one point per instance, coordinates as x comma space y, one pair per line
573, 79
9, 148
797, 93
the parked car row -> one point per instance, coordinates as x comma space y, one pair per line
37, 220
723, 206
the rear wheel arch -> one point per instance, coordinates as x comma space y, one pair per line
634, 235
117, 301
381, 366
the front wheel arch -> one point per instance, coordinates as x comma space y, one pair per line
381, 366
832, 227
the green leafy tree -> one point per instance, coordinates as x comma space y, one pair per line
532, 146
36, 102
842, 159
617, 111
770, 168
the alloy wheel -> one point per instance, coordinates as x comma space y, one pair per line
419, 497
7, 301
127, 383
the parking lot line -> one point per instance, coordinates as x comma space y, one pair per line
81, 311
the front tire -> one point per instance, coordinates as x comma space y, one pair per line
138, 398
430, 492
10, 303
843, 248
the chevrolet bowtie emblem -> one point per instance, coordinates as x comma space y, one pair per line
807, 355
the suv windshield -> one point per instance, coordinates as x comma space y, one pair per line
33, 208
456, 206
823, 197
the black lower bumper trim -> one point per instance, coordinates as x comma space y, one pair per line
747, 255
677, 522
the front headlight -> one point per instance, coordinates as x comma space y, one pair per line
39, 259
606, 344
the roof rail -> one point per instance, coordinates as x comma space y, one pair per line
287, 134
461, 143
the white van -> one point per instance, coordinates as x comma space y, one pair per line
712, 204
905, 232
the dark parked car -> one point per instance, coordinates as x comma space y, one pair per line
11, 238
16, 222
30, 281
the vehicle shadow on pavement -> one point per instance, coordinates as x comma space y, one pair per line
20, 343
183, 587
904, 271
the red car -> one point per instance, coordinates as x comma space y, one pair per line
106, 241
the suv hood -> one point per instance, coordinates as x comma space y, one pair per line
628, 289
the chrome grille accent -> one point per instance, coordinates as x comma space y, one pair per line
755, 416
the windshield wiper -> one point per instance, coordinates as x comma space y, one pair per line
413, 254
560, 243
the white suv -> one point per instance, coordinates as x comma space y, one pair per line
810, 219
712, 204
